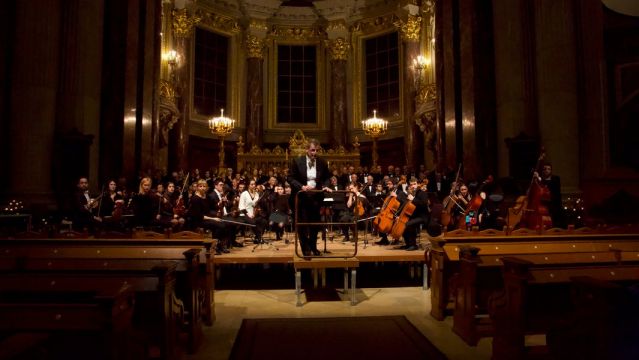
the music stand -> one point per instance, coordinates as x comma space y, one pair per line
365, 228
327, 205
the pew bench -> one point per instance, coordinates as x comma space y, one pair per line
443, 257
33, 315
194, 267
480, 276
537, 299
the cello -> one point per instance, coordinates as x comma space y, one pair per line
404, 213
383, 222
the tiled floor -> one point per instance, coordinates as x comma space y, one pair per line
231, 306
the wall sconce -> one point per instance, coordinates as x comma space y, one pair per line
171, 57
421, 64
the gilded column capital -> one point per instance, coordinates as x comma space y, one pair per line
183, 22
411, 28
338, 48
254, 46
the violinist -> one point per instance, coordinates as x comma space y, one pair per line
356, 206
281, 211
220, 207
111, 201
167, 217
421, 215
248, 202
200, 215
82, 205
145, 204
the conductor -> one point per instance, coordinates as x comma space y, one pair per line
308, 172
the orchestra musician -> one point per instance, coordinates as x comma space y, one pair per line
82, 205
356, 205
421, 215
145, 204
199, 215
553, 183
280, 211
167, 217
110, 201
247, 206
220, 207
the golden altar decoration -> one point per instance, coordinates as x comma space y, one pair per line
257, 158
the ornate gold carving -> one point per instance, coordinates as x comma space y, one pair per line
183, 22
356, 144
267, 158
411, 28
296, 33
427, 93
167, 91
222, 23
258, 25
336, 26
338, 48
254, 46
379, 23
240, 145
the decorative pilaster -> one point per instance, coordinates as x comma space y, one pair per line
410, 30
183, 23
254, 90
338, 50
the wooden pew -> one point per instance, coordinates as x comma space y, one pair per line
33, 314
443, 257
536, 299
195, 273
480, 276
604, 325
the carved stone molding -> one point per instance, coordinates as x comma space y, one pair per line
183, 22
169, 113
338, 48
375, 24
222, 23
296, 33
411, 28
254, 46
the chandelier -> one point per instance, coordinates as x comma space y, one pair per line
374, 127
221, 126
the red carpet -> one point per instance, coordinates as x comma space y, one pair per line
374, 337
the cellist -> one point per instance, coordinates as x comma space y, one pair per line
421, 215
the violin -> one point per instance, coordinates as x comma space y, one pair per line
470, 216
179, 209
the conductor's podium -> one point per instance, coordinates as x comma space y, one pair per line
319, 265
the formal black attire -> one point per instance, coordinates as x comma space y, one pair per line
421, 215
309, 202
554, 206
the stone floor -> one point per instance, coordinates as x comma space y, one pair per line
231, 306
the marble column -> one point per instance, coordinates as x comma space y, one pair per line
445, 69
515, 98
557, 88
338, 50
35, 74
79, 90
254, 91
413, 137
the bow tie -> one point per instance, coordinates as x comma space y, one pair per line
311, 163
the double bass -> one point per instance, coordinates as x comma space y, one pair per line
530, 210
